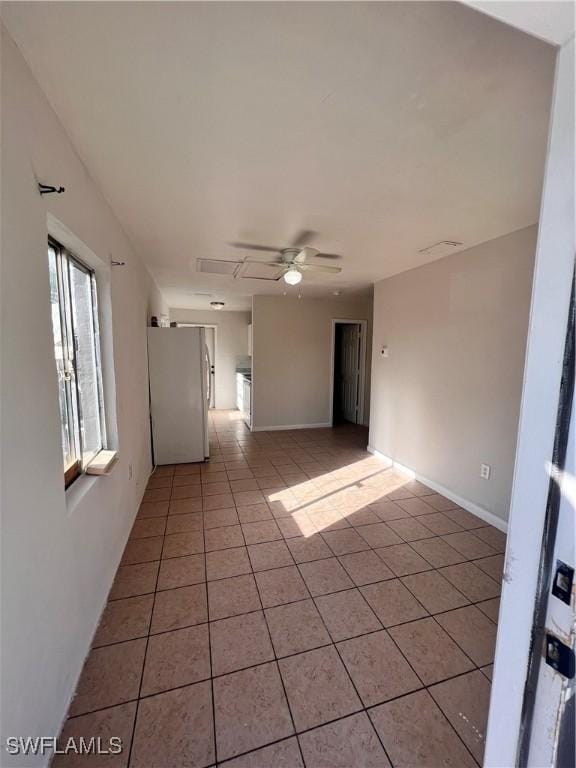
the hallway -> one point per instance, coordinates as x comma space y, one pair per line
294, 603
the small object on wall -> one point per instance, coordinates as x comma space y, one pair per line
385, 352
154, 321
563, 580
485, 470
559, 656
48, 189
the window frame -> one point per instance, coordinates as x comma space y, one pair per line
65, 260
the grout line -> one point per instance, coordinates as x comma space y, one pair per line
423, 686
451, 724
145, 654
280, 605
335, 646
278, 670
321, 446
336, 591
210, 651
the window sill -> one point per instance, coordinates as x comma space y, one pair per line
77, 491
103, 463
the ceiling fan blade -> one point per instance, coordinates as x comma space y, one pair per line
256, 247
303, 238
333, 256
276, 263
320, 268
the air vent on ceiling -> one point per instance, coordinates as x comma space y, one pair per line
216, 266
254, 270
443, 248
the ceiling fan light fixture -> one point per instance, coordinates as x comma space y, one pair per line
217, 305
292, 276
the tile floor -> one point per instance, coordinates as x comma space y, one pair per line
294, 603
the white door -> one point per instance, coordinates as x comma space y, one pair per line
348, 374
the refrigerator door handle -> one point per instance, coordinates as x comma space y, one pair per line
209, 375
207, 387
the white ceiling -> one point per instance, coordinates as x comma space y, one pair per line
384, 127
550, 20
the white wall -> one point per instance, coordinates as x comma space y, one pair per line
231, 343
291, 360
60, 549
157, 305
448, 396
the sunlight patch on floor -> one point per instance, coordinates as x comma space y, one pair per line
318, 504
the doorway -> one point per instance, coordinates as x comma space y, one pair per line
348, 371
210, 338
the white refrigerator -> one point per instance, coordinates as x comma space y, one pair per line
179, 370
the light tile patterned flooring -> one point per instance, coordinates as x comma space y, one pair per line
294, 603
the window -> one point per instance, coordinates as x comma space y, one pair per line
77, 351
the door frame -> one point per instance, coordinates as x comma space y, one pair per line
363, 356
215, 327
549, 312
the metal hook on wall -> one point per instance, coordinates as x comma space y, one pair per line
48, 189
117, 263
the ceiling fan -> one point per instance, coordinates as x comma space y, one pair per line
293, 258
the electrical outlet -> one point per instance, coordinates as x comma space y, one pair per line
485, 470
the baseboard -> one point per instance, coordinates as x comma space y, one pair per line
469, 506
292, 426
